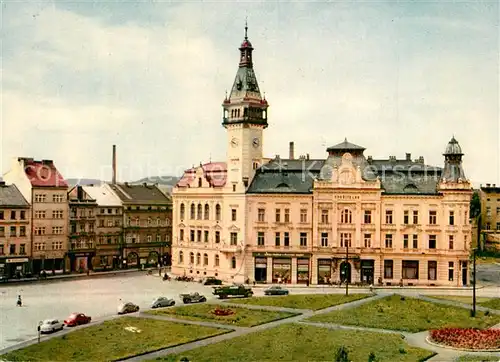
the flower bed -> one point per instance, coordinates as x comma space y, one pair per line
222, 311
467, 338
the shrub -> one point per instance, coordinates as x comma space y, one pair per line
467, 338
371, 357
342, 354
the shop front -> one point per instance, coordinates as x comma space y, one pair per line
132, 260
49, 265
11, 268
260, 269
324, 271
303, 270
367, 271
80, 262
282, 268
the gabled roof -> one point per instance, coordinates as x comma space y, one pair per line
11, 196
139, 194
43, 173
345, 146
214, 172
103, 194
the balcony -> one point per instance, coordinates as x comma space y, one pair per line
388, 226
227, 248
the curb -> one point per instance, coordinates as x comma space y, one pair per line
432, 343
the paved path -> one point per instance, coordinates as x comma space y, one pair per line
185, 321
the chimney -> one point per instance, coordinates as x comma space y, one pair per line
408, 157
421, 159
291, 151
487, 185
113, 180
307, 157
370, 159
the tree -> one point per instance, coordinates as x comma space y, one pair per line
475, 205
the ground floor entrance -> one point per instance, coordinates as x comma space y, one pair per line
12, 268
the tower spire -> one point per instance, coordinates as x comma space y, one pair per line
246, 28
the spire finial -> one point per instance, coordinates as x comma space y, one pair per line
246, 28
345, 140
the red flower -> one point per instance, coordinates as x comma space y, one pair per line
468, 338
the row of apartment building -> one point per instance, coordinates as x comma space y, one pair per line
47, 225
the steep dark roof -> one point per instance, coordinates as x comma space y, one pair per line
11, 196
143, 194
491, 189
345, 146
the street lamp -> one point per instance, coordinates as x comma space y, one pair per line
346, 268
474, 282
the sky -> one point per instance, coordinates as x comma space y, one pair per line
395, 77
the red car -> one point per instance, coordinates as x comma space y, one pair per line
76, 319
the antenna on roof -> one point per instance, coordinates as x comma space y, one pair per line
210, 158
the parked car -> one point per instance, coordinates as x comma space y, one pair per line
236, 290
276, 290
51, 325
212, 281
128, 307
76, 319
193, 298
162, 302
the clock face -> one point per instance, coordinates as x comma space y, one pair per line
256, 142
234, 142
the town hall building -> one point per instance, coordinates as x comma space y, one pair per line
345, 217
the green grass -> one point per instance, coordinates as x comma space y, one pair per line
110, 341
407, 314
295, 342
472, 358
303, 301
493, 303
242, 317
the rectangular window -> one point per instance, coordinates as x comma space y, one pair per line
110, 223
432, 270
388, 241
12, 250
233, 214
217, 237
287, 215
2, 216
388, 269
388, 217
40, 230
149, 238
450, 242
432, 241
181, 234
405, 241
57, 230
303, 239
286, 238
277, 238
58, 198
498, 225
278, 215
12, 215
260, 238
205, 236
23, 215
451, 271
452, 218
324, 216
1, 249
40, 197
368, 240
415, 241
409, 269
13, 231
345, 240
488, 211
432, 217
40, 214
261, 215
2, 231
367, 217
303, 215
406, 217
415, 217
191, 235
324, 239
22, 230
22, 249
234, 239
466, 218
198, 236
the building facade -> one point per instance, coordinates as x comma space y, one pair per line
489, 225
15, 237
109, 226
46, 190
147, 227
346, 217
82, 230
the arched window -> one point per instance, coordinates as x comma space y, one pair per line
137, 222
191, 257
181, 257
205, 259
217, 212
193, 212
198, 259
207, 212
199, 182
149, 221
158, 222
199, 212
346, 216
216, 261
183, 211
233, 262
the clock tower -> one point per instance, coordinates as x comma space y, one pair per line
245, 118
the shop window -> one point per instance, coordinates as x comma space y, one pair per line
432, 270
281, 270
388, 269
324, 271
302, 271
410, 269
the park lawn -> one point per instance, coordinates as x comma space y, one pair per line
472, 358
493, 303
303, 301
407, 314
111, 341
242, 317
299, 342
